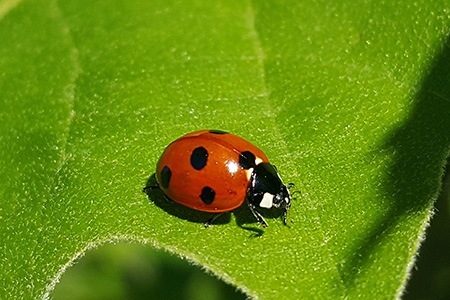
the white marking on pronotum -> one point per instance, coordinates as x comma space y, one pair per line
267, 201
249, 173
258, 160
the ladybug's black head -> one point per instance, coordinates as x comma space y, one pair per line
283, 199
267, 190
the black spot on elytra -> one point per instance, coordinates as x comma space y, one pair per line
218, 132
207, 195
247, 160
166, 174
199, 158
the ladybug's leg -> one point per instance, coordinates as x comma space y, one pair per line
212, 219
285, 217
257, 215
251, 200
150, 187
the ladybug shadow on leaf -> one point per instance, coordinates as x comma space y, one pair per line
243, 215
156, 196
243, 218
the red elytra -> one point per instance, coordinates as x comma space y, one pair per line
222, 172
215, 171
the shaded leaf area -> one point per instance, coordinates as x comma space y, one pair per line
376, 139
347, 99
430, 277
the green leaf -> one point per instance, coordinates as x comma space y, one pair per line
349, 99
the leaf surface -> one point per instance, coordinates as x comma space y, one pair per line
349, 100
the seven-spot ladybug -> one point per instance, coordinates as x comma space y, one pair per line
215, 171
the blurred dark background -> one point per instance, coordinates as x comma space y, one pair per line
133, 271
431, 275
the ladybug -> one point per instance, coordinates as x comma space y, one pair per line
216, 171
